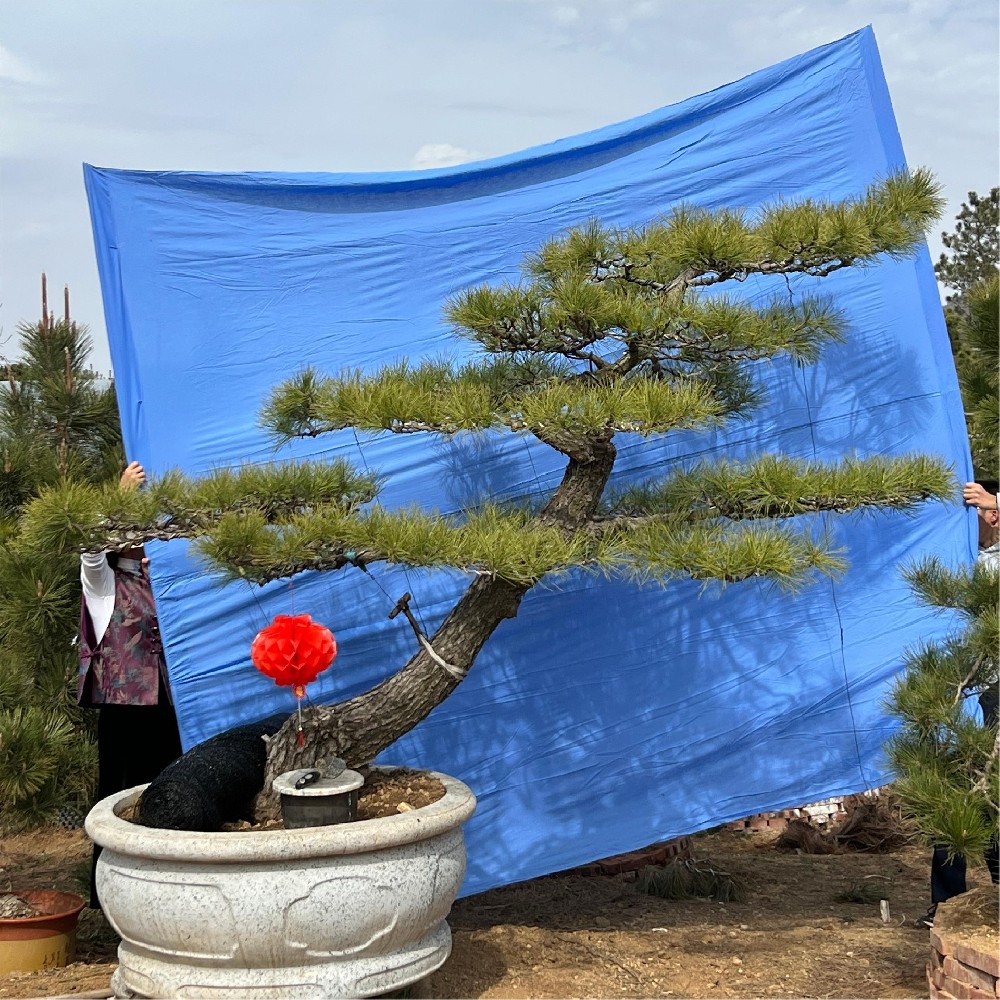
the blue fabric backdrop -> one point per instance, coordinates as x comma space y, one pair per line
605, 716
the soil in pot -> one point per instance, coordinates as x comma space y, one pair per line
384, 793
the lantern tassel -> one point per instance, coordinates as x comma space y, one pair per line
299, 691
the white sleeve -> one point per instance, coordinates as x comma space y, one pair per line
98, 580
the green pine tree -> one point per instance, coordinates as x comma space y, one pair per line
609, 331
58, 425
976, 336
944, 755
973, 248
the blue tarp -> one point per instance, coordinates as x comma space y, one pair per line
606, 716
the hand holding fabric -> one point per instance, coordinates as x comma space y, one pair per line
976, 496
133, 477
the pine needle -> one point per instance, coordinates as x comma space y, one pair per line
688, 878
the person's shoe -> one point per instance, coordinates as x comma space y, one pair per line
927, 920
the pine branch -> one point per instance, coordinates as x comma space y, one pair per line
970, 591
442, 398
512, 545
79, 517
986, 784
657, 550
780, 487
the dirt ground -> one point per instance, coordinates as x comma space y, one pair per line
577, 935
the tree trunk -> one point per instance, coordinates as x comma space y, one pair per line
359, 729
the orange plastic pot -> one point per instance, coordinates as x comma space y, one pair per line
47, 941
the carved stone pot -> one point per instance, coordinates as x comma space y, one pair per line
354, 909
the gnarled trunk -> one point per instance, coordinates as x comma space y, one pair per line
359, 729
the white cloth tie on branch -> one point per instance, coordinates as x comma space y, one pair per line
457, 672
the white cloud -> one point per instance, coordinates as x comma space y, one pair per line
565, 14
440, 154
17, 70
621, 17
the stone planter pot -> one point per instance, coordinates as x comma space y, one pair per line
47, 941
354, 909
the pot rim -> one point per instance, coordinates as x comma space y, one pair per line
113, 833
68, 904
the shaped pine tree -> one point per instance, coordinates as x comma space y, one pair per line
610, 331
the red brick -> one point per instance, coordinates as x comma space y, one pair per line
970, 974
962, 991
762, 824
966, 954
679, 848
937, 991
939, 994
633, 861
981, 960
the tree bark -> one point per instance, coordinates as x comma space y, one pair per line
359, 729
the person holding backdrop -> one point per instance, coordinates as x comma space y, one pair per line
983, 496
123, 673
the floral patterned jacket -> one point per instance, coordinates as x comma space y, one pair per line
124, 667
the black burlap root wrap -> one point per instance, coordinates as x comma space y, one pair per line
213, 783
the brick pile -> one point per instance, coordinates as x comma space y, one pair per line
957, 970
823, 813
635, 861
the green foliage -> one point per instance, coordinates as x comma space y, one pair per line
973, 247
74, 516
975, 334
58, 426
512, 545
44, 764
504, 543
777, 487
945, 759
658, 550
971, 593
809, 237
447, 398
55, 421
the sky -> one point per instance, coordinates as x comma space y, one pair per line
317, 85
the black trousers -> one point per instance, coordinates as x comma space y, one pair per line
134, 744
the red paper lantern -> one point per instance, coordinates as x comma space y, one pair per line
293, 650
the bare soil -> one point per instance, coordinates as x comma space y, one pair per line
578, 935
